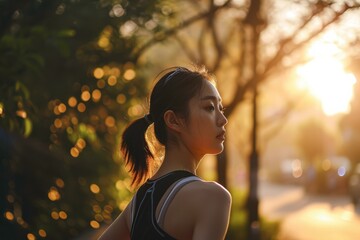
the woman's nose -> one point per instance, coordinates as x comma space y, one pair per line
222, 119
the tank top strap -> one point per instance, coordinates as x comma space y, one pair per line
162, 184
175, 189
159, 186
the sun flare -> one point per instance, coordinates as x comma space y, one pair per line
325, 78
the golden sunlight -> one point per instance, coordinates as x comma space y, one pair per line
325, 78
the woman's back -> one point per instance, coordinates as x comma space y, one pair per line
176, 206
145, 219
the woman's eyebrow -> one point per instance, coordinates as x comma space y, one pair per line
211, 97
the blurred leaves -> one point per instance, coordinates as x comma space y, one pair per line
60, 167
313, 141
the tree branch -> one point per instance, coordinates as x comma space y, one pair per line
239, 93
171, 31
281, 53
284, 43
242, 89
186, 49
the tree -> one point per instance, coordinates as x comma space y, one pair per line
215, 34
67, 88
218, 35
313, 141
350, 123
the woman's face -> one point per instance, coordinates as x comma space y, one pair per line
205, 129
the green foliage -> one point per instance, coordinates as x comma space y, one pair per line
238, 220
69, 83
17, 63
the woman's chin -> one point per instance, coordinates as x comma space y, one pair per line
218, 150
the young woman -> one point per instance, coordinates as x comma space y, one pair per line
187, 113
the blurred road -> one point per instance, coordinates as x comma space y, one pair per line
305, 217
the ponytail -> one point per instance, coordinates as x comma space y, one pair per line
135, 149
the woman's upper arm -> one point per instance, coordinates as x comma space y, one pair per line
120, 228
214, 212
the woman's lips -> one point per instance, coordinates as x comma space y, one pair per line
221, 136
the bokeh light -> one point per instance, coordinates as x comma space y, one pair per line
74, 152
129, 74
94, 188
42, 233
9, 215
80, 143
58, 123
55, 215
72, 101
99, 217
135, 110
96, 208
341, 171
103, 42
115, 71
62, 215
30, 236
96, 95
100, 84
112, 80
94, 224
53, 194
121, 98
110, 121
85, 96
98, 73
81, 107
117, 11
60, 183
74, 120
62, 108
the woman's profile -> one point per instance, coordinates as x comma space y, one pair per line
187, 116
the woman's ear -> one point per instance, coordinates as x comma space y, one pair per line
172, 121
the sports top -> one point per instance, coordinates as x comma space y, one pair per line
144, 224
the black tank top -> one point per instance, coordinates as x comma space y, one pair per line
145, 226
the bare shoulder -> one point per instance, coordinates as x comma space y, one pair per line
207, 190
209, 204
200, 210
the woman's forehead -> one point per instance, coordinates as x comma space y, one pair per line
209, 91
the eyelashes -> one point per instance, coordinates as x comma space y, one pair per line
211, 108
222, 109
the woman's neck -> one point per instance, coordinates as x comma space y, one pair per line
177, 158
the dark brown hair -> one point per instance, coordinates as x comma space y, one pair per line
173, 92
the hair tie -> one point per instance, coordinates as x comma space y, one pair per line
148, 119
